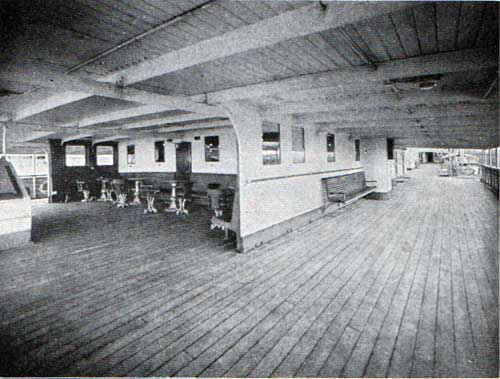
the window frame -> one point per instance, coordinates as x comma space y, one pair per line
390, 148
159, 152
330, 155
85, 155
207, 148
357, 150
129, 155
277, 155
97, 156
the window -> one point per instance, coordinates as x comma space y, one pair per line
159, 151
212, 149
131, 154
330, 147
390, 148
357, 149
271, 153
298, 145
105, 156
41, 165
75, 155
23, 163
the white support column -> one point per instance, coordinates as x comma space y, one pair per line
377, 166
246, 122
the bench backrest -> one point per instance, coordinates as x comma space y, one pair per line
349, 184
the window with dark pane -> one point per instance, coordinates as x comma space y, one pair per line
271, 150
390, 148
357, 149
212, 149
75, 155
298, 145
159, 151
105, 156
330, 147
131, 154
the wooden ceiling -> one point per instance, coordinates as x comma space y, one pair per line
95, 67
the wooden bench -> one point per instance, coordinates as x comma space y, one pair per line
346, 189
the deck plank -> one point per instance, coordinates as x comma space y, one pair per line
402, 287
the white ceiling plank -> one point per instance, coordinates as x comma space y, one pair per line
27, 108
300, 22
75, 137
47, 78
363, 115
164, 121
367, 102
116, 137
412, 122
197, 126
457, 61
143, 110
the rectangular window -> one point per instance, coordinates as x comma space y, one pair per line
390, 148
298, 145
271, 153
131, 154
159, 151
330, 147
105, 156
357, 149
23, 164
212, 149
494, 157
41, 165
75, 155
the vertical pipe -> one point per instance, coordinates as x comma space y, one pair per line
49, 175
4, 141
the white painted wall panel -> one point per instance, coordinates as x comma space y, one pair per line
145, 160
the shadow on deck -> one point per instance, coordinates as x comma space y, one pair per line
403, 287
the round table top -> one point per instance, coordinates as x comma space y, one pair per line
136, 178
175, 181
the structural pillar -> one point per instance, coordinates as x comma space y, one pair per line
377, 165
247, 125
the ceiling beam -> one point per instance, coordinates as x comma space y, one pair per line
164, 121
115, 137
373, 114
143, 110
197, 126
23, 106
47, 78
361, 103
415, 122
292, 24
75, 137
457, 61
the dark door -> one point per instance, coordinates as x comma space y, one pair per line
183, 160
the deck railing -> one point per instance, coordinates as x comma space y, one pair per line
490, 177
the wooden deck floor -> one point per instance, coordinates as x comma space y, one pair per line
403, 287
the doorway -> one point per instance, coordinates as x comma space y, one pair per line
430, 157
183, 160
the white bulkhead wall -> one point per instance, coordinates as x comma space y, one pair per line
377, 166
145, 153
270, 194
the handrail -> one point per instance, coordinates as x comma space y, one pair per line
490, 167
347, 170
